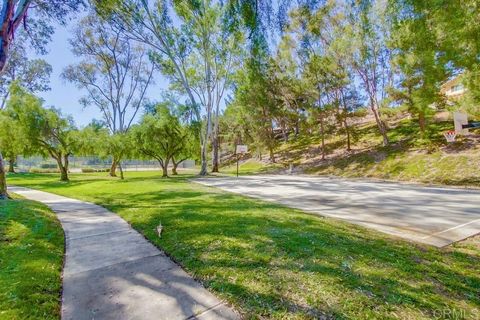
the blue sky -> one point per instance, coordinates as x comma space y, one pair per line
65, 95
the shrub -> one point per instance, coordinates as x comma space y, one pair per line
40, 170
48, 166
92, 170
394, 113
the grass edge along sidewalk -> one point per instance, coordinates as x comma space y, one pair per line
31, 260
274, 262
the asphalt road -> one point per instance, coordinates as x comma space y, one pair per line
433, 215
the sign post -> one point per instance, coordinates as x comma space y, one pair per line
459, 120
240, 149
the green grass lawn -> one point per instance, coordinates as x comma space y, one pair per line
251, 166
31, 257
274, 262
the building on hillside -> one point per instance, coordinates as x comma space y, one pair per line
453, 89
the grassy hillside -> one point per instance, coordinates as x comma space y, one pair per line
408, 158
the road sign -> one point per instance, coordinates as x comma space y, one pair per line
241, 148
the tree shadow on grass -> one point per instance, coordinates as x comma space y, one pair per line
230, 243
277, 262
31, 255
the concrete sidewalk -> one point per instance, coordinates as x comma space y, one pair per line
112, 272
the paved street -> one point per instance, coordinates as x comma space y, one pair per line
112, 272
432, 215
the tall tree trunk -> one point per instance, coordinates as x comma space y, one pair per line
11, 165
272, 153
215, 147
285, 134
380, 124
422, 122
203, 156
66, 162
347, 130
216, 140
4, 100
206, 137
203, 159
3, 180
322, 133
113, 168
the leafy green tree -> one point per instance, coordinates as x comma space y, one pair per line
423, 68
96, 139
287, 87
12, 141
257, 108
191, 146
91, 139
13, 14
119, 146
160, 137
47, 131
433, 41
328, 80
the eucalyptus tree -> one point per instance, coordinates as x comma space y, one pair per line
216, 52
115, 72
39, 14
191, 47
31, 74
